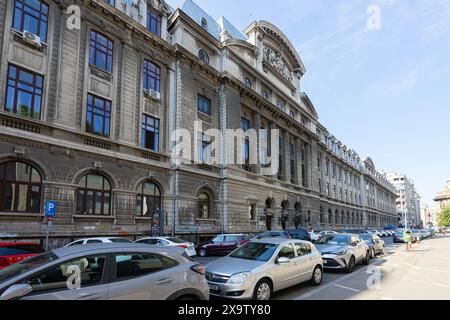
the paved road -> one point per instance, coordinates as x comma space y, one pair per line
421, 274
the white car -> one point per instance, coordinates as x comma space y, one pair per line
99, 240
170, 241
314, 236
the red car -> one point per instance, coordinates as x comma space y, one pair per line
13, 252
222, 244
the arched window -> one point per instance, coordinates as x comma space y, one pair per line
336, 216
20, 188
322, 216
330, 216
248, 82
348, 217
204, 201
94, 195
342, 217
148, 200
203, 55
204, 23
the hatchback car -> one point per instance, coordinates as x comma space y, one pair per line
13, 252
106, 272
170, 241
261, 267
375, 243
222, 244
343, 251
99, 240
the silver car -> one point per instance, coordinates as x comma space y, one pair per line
261, 267
343, 251
106, 272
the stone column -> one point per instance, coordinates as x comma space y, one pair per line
257, 126
286, 158
298, 161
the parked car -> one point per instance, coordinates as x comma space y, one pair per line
189, 247
343, 251
99, 240
272, 234
300, 234
354, 231
398, 237
261, 267
107, 272
325, 232
375, 243
13, 252
222, 244
313, 236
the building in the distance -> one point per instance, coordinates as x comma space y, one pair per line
443, 198
88, 113
407, 199
430, 215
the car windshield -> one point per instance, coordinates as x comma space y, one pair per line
367, 237
17, 269
255, 251
120, 240
176, 240
334, 239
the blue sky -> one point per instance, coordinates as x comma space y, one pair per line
385, 93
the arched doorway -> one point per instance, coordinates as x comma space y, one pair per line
298, 214
284, 213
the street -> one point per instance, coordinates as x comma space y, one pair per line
420, 274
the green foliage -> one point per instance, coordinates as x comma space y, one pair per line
444, 217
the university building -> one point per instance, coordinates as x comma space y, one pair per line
88, 115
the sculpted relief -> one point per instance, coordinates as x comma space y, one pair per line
275, 60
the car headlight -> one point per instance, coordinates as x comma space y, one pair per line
340, 253
239, 277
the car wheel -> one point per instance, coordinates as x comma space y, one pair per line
202, 253
186, 297
263, 290
317, 276
367, 258
351, 264
372, 253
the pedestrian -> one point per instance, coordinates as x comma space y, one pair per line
407, 238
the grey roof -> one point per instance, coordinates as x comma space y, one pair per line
214, 28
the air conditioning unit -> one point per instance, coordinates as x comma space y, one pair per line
31, 38
153, 94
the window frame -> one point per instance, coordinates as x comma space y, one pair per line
201, 106
39, 18
18, 87
93, 114
17, 183
94, 196
142, 195
145, 126
150, 75
109, 52
156, 17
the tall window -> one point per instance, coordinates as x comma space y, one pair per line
154, 22
292, 161
101, 51
150, 133
24, 92
98, 115
32, 16
245, 125
204, 205
205, 143
303, 165
280, 157
20, 188
148, 200
203, 104
152, 76
94, 195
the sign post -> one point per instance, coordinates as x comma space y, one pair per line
50, 213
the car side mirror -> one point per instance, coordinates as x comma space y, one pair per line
283, 260
16, 291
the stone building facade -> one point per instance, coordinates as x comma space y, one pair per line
89, 113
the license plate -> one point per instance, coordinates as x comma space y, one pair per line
214, 287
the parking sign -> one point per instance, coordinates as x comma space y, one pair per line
50, 208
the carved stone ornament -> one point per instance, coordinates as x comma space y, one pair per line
275, 60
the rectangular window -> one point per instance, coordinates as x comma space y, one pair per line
154, 22
150, 133
245, 125
152, 76
101, 51
32, 16
24, 92
303, 165
111, 2
98, 115
203, 104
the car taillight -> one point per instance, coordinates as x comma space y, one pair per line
199, 268
4, 262
182, 246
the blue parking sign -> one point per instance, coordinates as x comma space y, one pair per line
50, 208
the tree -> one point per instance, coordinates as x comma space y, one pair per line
444, 217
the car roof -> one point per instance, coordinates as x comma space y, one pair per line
112, 247
101, 238
277, 240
